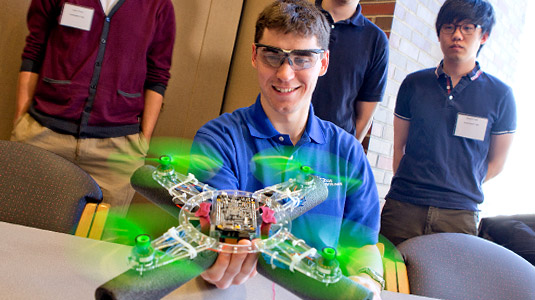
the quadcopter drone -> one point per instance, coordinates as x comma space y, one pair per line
212, 221
216, 220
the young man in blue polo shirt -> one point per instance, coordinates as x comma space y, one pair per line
355, 82
289, 54
453, 128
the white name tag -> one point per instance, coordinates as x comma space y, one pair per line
471, 127
77, 16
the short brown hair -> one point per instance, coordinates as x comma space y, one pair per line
294, 16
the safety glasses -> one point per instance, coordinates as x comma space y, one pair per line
298, 59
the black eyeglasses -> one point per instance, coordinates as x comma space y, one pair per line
299, 59
466, 29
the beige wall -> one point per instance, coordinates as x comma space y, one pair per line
12, 34
206, 32
242, 86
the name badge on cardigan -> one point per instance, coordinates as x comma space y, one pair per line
76, 16
471, 127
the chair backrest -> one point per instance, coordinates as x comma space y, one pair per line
41, 189
461, 266
516, 233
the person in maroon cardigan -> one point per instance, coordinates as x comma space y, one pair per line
91, 85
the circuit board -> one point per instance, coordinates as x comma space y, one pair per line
236, 217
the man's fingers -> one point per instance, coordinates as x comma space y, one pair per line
217, 270
248, 269
236, 267
232, 268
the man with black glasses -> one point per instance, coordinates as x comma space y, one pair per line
289, 54
453, 127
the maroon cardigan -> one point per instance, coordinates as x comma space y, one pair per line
91, 83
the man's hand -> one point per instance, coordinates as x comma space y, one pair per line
367, 282
231, 269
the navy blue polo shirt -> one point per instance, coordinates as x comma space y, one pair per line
357, 70
441, 167
251, 155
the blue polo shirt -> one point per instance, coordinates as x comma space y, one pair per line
441, 168
251, 155
357, 70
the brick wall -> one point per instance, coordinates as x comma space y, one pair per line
499, 55
379, 12
414, 46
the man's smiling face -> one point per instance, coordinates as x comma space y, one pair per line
283, 90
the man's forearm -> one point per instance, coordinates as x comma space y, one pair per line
363, 121
361, 129
398, 154
360, 259
153, 105
26, 84
401, 134
498, 150
367, 256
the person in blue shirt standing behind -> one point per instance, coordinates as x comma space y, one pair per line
289, 54
453, 127
355, 82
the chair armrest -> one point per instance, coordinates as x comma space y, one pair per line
395, 271
92, 221
403, 278
391, 283
98, 221
85, 220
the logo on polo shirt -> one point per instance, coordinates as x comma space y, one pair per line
329, 182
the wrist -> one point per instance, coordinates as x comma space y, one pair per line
372, 274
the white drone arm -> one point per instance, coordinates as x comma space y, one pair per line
177, 243
298, 256
181, 187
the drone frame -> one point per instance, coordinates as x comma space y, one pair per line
279, 246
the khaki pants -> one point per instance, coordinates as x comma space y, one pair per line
110, 161
401, 220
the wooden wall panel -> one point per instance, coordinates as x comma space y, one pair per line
242, 87
206, 34
12, 34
